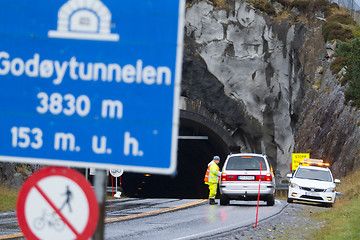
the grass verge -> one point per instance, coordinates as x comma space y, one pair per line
7, 198
343, 221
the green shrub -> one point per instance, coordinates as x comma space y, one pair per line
351, 51
333, 30
269, 9
353, 93
219, 3
338, 64
310, 6
321, 5
341, 18
285, 3
302, 5
258, 4
334, 5
356, 32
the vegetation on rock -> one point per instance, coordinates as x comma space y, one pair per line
350, 50
339, 26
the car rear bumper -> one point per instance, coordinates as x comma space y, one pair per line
232, 191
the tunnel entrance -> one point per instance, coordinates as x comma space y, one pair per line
197, 144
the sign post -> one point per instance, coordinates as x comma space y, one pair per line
100, 191
116, 173
91, 83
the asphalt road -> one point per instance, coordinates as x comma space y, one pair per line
167, 218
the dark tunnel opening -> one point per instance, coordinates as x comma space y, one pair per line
192, 159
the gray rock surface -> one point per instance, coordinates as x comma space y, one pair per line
330, 128
251, 72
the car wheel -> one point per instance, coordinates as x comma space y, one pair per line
224, 200
290, 200
270, 201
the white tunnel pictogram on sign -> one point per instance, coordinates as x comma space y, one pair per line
84, 20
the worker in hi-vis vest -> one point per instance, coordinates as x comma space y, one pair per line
212, 178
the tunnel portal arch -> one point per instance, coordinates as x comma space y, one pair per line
193, 156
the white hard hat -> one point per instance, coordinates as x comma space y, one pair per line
216, 158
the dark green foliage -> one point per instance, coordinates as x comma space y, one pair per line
337, 27
269, 9
334, 5
322, 5
338, 64
306, 6
341, 18
332, 30
303, 6
285, 3
258, 4
351, 51
264, 6
353, 93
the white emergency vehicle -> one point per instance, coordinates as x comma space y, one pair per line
312, 181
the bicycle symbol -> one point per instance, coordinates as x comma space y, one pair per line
51, 219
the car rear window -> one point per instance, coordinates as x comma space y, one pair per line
245, 163
313, 174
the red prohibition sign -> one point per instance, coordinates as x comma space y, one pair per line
57, 203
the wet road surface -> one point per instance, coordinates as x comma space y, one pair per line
134, 218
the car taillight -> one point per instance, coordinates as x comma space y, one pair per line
267, 177
226, 177
223, 177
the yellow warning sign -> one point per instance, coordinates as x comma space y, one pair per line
296, 158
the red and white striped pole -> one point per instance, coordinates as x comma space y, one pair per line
257, 208
112, 186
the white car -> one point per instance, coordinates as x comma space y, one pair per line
312, 183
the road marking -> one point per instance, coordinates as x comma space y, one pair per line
108, 220
15, 235
155, 212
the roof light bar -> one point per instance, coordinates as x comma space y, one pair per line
314, 162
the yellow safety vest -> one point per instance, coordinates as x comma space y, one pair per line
212, 174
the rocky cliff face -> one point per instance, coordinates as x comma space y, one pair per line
259, 77
329, 128
252, 72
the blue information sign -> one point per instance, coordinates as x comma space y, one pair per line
91, 83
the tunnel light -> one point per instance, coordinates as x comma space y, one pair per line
147, 175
